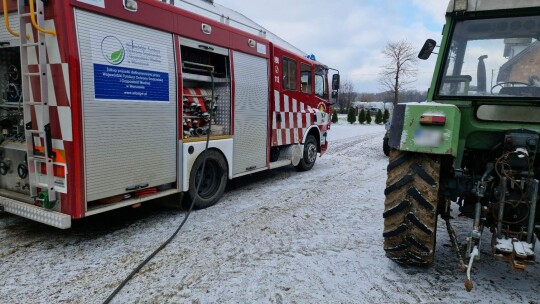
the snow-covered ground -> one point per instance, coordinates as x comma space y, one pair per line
275, 237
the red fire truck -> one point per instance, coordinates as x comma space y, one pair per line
109, 103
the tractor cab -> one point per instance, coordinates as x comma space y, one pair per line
497, 58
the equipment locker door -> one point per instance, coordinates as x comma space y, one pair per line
129, 105
250, 112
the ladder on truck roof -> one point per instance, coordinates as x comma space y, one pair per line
41, 107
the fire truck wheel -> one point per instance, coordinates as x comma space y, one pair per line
310, 154
213, 183
410, 208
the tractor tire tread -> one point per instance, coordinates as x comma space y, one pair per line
414, 193
414, 242
410, 217
404, 205
397, 162
399, 184
413, 219
397, 231
424, 175
400, 247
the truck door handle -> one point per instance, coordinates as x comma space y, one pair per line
48, 139
137, 187
204, 47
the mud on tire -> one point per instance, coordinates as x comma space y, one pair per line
410, 207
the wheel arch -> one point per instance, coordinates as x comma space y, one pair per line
187, 159
313, 130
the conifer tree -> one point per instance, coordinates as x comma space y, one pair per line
368, 117
362, 116
334, 116
379, 117
386, 116
351, 117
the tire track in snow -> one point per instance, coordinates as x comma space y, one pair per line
276, 237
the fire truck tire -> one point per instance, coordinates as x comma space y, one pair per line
410, 207
214, 181
310, 154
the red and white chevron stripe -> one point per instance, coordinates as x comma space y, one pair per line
290, 120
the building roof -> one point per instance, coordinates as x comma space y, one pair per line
506, 68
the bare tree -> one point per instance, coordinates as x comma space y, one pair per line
367, 97
400, 70
347, 95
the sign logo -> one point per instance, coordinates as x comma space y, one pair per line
113, 50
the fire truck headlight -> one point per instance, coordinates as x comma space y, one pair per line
130, 5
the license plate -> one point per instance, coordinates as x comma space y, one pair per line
428, 138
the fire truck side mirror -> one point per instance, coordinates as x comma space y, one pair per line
335, 94
335, 82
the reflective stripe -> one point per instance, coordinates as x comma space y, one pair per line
35, 213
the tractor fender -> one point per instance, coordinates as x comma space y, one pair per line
427, 127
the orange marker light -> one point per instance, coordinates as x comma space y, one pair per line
432, 120
58, 171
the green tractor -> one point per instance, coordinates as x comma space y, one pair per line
474, 142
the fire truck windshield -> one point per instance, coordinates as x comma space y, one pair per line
497, 57
321, 84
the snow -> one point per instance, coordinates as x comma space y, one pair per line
275, 237
504, 244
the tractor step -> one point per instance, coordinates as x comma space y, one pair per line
518, 253
523, 250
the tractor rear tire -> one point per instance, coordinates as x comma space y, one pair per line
410, 207
386, 146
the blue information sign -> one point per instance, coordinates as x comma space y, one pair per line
119, 83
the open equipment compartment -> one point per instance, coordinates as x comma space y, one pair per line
13, 161
205, 75
10, 76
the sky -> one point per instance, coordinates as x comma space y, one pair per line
349, 35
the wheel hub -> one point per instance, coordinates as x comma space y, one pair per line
210, 181
311, 153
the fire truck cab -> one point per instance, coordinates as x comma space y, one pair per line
107, 104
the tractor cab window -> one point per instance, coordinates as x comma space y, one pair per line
321, 85
493, 58
289, 74
306, 78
